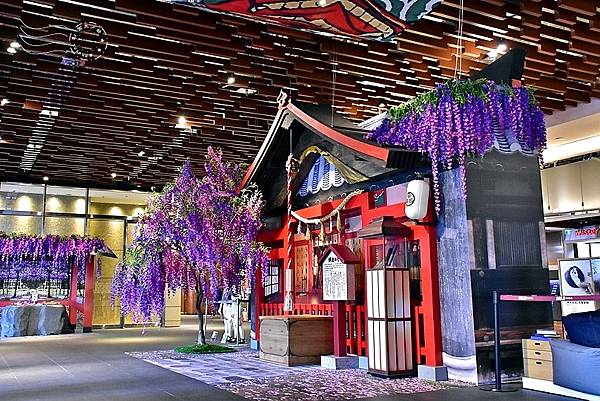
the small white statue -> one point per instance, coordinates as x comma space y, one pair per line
33, 295
234, 332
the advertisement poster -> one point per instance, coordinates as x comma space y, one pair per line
576, 279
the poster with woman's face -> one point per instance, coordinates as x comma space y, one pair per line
576, 277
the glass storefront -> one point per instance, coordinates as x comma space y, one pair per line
46, 209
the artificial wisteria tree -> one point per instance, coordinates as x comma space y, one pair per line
197, 234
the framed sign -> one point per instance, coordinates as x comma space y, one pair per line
338, 273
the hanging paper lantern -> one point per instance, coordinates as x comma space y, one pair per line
417, 199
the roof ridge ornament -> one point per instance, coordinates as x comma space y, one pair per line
283, 98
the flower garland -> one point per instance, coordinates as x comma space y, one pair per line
35, 257
461, 118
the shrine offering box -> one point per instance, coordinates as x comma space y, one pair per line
296, 340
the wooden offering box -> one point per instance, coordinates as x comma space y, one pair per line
295, 340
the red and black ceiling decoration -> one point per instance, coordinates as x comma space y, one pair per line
376, 19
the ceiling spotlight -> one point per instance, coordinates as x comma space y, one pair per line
322, 3
182, 121
4, 102
382, 105
11, 50
15, 45
141, 153
231, 80
501, 47
114, 175
45, 178
492, 54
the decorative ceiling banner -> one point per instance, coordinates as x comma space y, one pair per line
374, 19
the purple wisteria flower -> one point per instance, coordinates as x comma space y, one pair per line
461, 118
50, 257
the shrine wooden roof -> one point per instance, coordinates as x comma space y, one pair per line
117, 114
308, 132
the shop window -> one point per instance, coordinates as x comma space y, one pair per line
271, 280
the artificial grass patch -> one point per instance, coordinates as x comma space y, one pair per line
203, 349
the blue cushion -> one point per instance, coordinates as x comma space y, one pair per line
575, 366
583, 328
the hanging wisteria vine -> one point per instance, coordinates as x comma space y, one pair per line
194, 232
37, 258
461, 118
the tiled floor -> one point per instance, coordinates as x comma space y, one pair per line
95, 367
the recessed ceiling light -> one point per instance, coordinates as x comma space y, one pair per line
501, 47
114, 175
4, 102
322, 3
231, 80
141, 153
382, 105
492, 54
182, 120
15, 45
45, 178
11, 50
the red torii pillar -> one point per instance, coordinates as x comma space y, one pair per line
425, 233
87, 307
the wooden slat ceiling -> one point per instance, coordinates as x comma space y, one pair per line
164, 61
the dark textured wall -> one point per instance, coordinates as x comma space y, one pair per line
489, 241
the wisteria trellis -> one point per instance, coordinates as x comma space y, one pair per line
461, 118
49, 257
196, 234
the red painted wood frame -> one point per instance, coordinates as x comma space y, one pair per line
72, 304
428, 344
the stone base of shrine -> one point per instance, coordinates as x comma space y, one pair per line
363, 362
339, 362
433, 373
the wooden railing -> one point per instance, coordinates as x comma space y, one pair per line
356, 332
356, 324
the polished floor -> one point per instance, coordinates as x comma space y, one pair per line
96, 367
